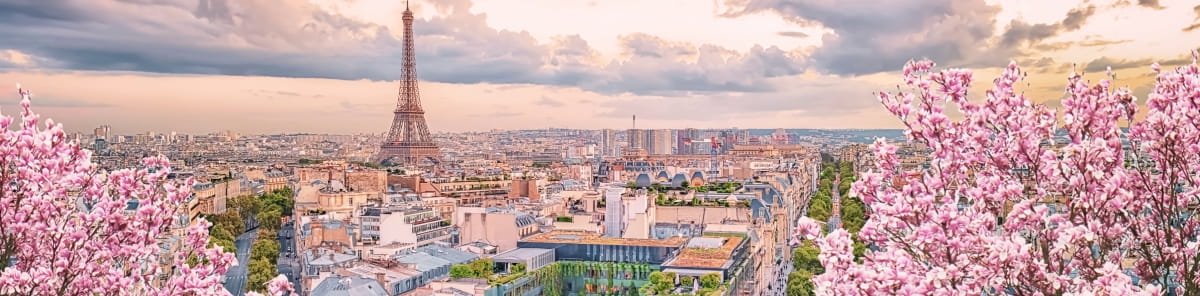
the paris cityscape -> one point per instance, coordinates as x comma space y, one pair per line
520, 148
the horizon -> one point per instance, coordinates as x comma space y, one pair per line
330, 67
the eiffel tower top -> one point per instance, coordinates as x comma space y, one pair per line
409, 98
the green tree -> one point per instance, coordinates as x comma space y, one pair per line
267, 249
483, 267
260, 272
226, 245
800, 284
685, 185
853, 214
685, 281
860, 249
270, 219
459, 271
518, 268
819, 210
220, 233
282, 198
805, 258
661, 283
827, 172
230, 221
710, 280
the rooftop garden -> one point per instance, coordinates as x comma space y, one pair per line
664, 200
707, 257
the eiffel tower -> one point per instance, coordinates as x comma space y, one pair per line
408, 142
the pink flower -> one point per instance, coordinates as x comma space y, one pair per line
1003, 204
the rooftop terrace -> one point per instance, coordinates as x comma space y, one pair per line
579, 237
706, 252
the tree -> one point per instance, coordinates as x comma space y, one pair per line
220, 233
265, 248
230, 221
710, 280
661, 283
685, 281
259, 273
483, 267
227, 246
805, 258
800, 283
853, 214
270, 219
459, 271
685, 185
282, 198
819, 209
66, 230
518, 268
979, 220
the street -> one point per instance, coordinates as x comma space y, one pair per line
235, 279
287, 264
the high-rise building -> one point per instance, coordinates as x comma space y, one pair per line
408, 141
613, 221
101, 132
608, 143
661, 142
636, 139
685, 139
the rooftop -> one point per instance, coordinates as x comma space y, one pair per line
349, 286
433, 256
579, 237
520, 255
706, 252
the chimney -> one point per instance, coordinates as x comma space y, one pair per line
379, 277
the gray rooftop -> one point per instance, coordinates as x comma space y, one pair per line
525, 220
520, 255
433, 256
349, 286
320, 257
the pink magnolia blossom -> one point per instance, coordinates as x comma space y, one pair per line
65, 228
1006, 206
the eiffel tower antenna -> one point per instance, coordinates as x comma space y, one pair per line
408, 141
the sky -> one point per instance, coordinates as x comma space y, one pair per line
330, 66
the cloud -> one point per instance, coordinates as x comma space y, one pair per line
823, 96
1151, 4
661, 67
793, 34
13, 58
1093, 43
873, 36
294, 38
1102, 64
55, 102
547, 101
501, 114
1077, 17
877, 36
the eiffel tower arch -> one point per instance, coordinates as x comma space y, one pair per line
408, 141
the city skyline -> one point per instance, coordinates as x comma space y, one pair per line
330, 66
